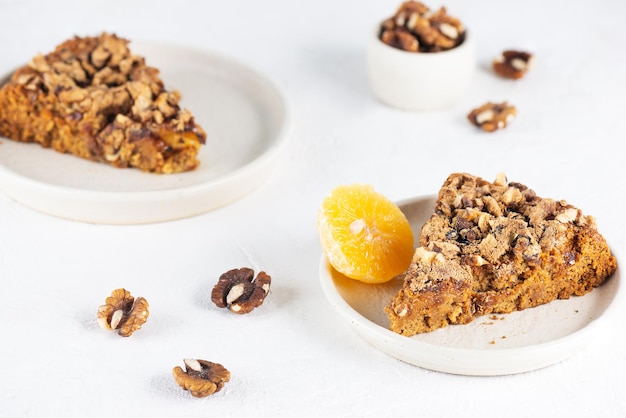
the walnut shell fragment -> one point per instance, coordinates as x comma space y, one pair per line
239, 291
122, 312
200, 377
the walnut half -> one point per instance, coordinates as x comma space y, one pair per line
200, 377
122, 312
492, 116
513, 64
239, 291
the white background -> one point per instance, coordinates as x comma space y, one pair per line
294, 356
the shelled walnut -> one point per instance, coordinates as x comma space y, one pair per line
239, 291
416, 28
492, 116
123, 312
200, 377
513, 64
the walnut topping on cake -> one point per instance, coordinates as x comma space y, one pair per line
495, 248
92, 97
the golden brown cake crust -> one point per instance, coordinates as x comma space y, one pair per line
496, 248
93, 98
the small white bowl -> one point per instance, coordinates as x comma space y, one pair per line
420, 81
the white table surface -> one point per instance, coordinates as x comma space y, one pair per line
294, 356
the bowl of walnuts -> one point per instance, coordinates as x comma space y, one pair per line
420, 59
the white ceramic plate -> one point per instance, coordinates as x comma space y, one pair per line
247, 121
490, 345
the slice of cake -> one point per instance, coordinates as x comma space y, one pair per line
496, 248
91, 97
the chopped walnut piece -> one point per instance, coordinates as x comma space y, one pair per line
122, 312
415, 28
99, 56
200, 377
492, 116
513, 64
501, 179
239, 291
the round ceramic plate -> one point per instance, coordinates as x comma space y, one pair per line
247, 121
490, 345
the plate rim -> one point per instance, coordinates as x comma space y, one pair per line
48, 198
493, 361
